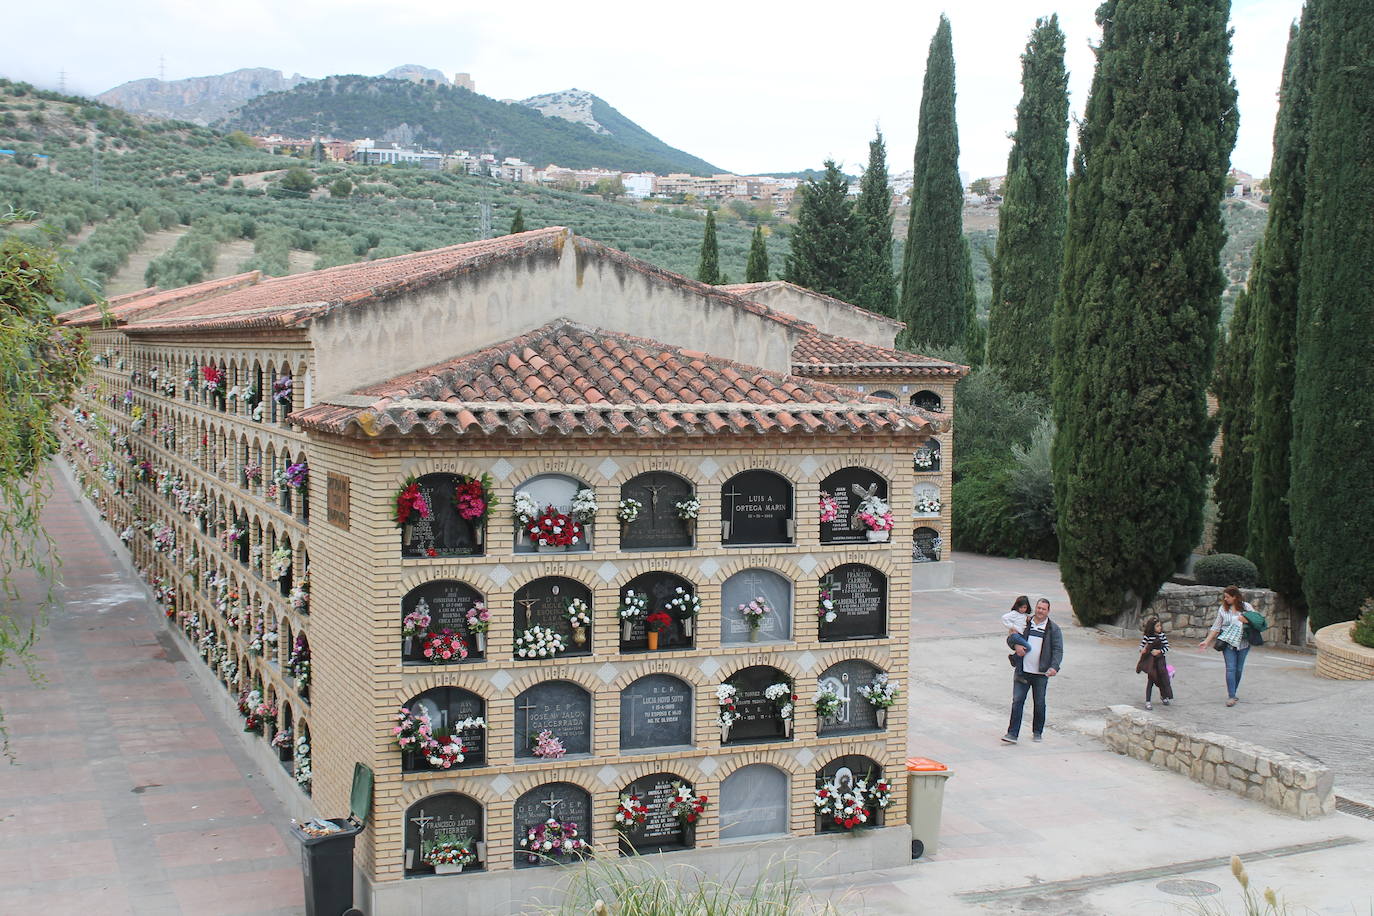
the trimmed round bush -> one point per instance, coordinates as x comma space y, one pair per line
1226, 569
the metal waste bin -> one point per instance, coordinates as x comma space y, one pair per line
925, 797
327, 857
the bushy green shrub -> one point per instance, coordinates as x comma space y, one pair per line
1226, 569
1363, 632
992, 516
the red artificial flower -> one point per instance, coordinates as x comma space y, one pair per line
471, 499
409, 500
431, 552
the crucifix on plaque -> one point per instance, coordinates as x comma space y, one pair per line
528, 603
732, 494
862, 495
421, 822
527, 707
633, 698
653, 491
551, 802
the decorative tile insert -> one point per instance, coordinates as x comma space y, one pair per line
708, 467
608, 571
501, 468
608, 468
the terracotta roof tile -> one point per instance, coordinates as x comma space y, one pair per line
819, 355
152, 301
747, 290
537, 384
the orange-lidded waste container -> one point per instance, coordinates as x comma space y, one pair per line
925, 798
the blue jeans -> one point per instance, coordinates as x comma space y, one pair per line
1235, 667
1035, 686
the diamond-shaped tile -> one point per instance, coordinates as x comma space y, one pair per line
501, 468
501, 680
709, 567
709, 765
709, 665
806, 661
608, 468
607, 672
708, 467
608, 775
807, 563
500, 575
808, 466
501, 784
608, 571
804, 755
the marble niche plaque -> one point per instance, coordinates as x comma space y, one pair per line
849, 487
855, 713
661, 831
844, 772
756, 508
658, 526
754, 801
445, 532
447, 602
759, 719
562, 801
448, 705
656, 711
860, 596
561, 707
543, 602
449, 816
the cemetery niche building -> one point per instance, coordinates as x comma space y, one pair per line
578, 556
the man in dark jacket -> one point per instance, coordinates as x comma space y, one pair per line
1038, 663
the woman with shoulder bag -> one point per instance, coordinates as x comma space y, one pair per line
1228, 633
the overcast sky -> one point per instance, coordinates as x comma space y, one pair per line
754, 86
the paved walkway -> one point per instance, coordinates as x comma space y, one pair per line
129, 795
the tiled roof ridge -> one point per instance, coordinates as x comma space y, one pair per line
741, 289
830, 354
122, 308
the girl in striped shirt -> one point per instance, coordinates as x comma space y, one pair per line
1154, 647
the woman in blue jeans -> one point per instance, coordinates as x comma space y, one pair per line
1229, 628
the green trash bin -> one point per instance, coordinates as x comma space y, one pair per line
925, 798
327, 851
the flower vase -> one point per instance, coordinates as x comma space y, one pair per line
479, 533
787, 727
408, 760
687, 623
481, 639
448, 869
689, 835
653, 640
881, 714
626, 630
406, 643
724, 733
549, 548
754, 634
579, 636
878, 537
407, 534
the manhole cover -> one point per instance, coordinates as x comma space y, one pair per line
1186, 887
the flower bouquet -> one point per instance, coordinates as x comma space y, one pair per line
450, 855
410, 501
579, 615
282, 388
784, 699
280, 563
687, 807
552, 529
729, 713
552, 838
443, 753
659, 626
547, 746
927, 505
688, 509
473, 498
827, 605
295, 475
923, 459
479, 621
584, 505
846, 809
685, 606
882, 693
628, 510
830, 509
754, 612
630, 813
444, 646
633, 606
827, 702
525, 509
303, 770
876, 516
212, 380
539, 642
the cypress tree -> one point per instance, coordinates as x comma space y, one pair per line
518, 224
1234, 387
1274, 304
1333, 439
756, 271
708, 269
875, 287
1030, 222
937, 278
820, 249
1136, 319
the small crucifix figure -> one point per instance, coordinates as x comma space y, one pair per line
422, 822
527, 707
529, 603
653, 491
860, 494
551, 802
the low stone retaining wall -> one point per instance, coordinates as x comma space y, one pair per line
1291, 785
1188, 611
1341, 658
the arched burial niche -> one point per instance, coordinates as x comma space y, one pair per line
447, 604
561, 708
665, 593
450, 710
756, 508
451, 530
855, 714
661, 831
544, 603
443, 820
755, 803
557, 494
659, 524
926, 458
848, 488
553, 808
926, 399
748, 586
926, 545
883, 393
853, 603
656, 711
763, 706
845, 775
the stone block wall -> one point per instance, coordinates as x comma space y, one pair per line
1188, 611
1280, 781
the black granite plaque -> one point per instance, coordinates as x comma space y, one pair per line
860, 596
445, 533
447, 602
745, 586
660, 587
754, 801
544, 603
855, 713
438, 818
926, 458
656, 711
661, 830
563, 801
849, 487
447, 706
756, 508
759, 719
561, 707
658, 526
925, 545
